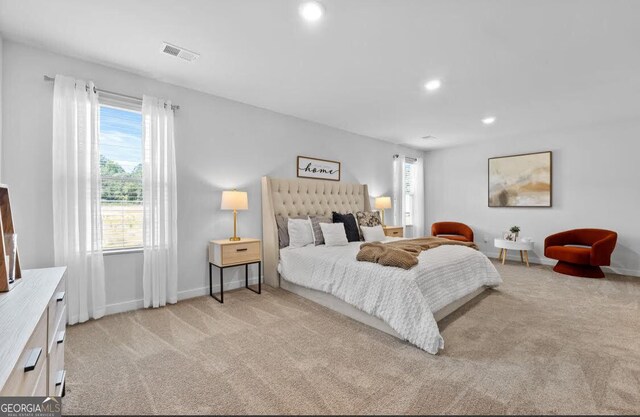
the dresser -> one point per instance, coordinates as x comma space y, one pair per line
32, 325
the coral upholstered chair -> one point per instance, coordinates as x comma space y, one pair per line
595, 249
453, 231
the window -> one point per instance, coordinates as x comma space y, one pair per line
409, 186
121, 169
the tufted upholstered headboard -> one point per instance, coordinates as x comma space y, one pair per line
302, 197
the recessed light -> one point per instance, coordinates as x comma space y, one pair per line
311, 11
432, 85
489, 120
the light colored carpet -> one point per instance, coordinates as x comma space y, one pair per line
542, 343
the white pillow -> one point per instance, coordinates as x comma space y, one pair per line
334, 234
373, 234
300, 232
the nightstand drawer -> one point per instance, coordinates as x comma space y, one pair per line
240, 253
394, 231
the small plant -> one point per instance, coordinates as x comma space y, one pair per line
515, 229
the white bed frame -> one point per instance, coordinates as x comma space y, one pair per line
302, 197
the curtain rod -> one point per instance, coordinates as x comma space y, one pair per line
112, 93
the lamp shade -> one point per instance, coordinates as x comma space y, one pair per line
382, 203
234, 200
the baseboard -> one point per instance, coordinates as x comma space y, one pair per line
535, 259
124, 306
182, 295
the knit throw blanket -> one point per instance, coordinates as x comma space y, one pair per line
403, 253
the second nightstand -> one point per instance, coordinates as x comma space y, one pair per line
393, 231
228, 253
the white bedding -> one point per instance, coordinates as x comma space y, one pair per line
404, 299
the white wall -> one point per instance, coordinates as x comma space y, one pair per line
220, 144
596, 183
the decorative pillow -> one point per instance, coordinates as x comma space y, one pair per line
350, 225
368, 218
373, 234
283, 229
300, 233
334, 234
318, 238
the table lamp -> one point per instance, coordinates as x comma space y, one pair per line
382, 203
234, 200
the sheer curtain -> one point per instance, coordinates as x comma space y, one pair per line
399, 218
160, 271
418, 199
77, 224
408, 194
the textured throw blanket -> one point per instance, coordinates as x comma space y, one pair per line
403, 253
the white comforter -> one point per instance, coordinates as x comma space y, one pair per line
404, 299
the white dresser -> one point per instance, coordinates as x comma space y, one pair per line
32, 334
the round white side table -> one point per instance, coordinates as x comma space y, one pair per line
522, 246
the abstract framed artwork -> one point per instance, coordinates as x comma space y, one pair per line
520, 180
320, 169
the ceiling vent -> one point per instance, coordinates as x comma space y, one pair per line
429, 137
179, 52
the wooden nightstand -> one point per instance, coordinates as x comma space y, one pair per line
393, 231
227, 253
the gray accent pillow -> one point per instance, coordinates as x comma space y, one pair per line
318, 237
283, 229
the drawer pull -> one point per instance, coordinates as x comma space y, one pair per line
60, 296
242, 250
60, 337
32, 360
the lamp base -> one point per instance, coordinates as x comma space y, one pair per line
234, 239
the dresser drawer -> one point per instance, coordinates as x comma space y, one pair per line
240, 253
25, 379
56, 359
56, 308
40, 390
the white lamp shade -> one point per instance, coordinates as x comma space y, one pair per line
234, 200
382, 203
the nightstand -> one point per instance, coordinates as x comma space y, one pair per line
393, 231
227, 253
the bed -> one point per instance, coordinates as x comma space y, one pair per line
404, 303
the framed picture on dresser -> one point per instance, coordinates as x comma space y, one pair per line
320, 169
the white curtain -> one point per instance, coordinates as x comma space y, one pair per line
399, 218
400, 177
418, 200
77, 224
160, 272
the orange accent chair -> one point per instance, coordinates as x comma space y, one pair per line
594, 250
453, 231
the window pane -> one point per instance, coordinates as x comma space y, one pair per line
121, 169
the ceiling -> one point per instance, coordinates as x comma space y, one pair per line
537, 65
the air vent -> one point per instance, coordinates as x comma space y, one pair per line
429, 137
179, 52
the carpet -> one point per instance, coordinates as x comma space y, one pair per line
541, 343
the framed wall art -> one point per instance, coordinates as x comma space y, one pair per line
320, 169
520, 180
